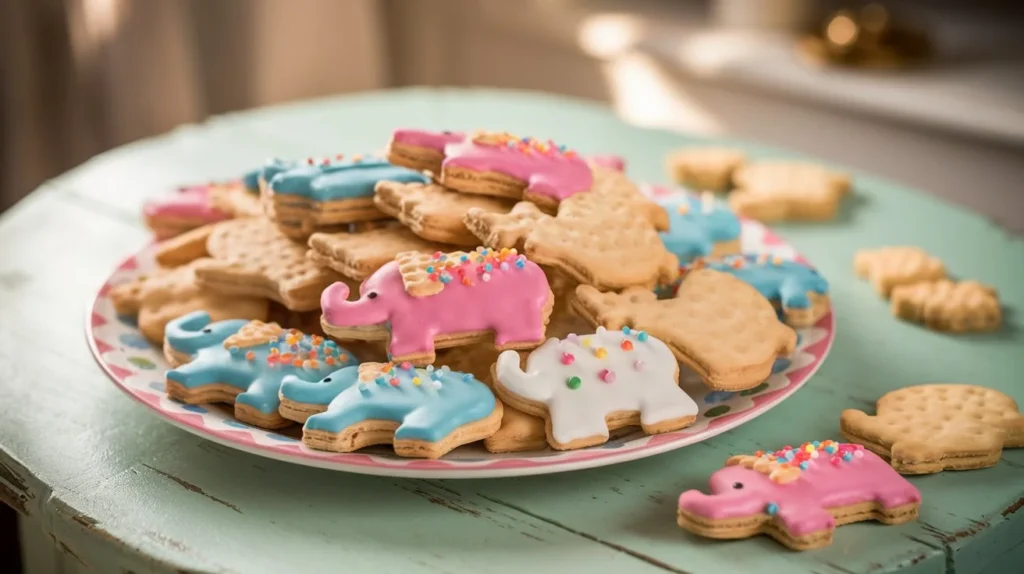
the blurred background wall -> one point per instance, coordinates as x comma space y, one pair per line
82, 76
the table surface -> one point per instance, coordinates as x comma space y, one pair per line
120, 490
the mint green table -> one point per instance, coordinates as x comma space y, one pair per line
118, 490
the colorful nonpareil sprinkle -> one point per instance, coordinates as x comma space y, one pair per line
525, 145
788, 462
574, 382
466, 266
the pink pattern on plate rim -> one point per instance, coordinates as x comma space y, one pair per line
101, 317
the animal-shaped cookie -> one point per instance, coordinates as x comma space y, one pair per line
421, 149
705, 168
782, 190
798, 290
189, 208
424, 413
251, 257
433, 212
503, 165
798, 496
699, 226
930, 428
950, 306
422, 302
587, 385
243, 362
504, 230
159, 297
889, 267
719, 326
357, 255
332, 193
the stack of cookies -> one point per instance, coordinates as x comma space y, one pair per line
462, 288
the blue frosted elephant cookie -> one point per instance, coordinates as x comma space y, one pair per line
423, 413
699, 227
330, 194
243, 363
798, 290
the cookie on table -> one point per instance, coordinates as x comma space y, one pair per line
925, 429
705, 168
329, 194
699, 226
251, 257
503, 165
796, 289
423, 413
889, 267
787, 191
357, 255
433, 212
243, 363
587, 385
421, 302
421, 150
166, 294
949, 306
798, 496
718, 325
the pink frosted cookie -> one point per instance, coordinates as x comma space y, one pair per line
189, 208
421, 302
799, 495
504, 165
421, 149
609, 161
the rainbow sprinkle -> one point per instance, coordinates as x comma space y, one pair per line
478, 264
787, 463
525, 145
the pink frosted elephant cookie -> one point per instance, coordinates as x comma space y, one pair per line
799, 495
420, 302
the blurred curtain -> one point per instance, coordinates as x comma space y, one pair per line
78, 77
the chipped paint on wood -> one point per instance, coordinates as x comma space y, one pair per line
13, 490
193, 488
1013, 508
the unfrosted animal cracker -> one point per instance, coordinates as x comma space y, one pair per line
504, 230
798, 496
243, 363
503, 165
925, 429
423, 413
166, 294
584, 386
433, 212
324, 195
787, 191
421, 150
950, 306
705, 168
237, 199
421, 303
889, 267
719, 326
357, 255
251, 257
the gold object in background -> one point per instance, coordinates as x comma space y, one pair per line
866, 39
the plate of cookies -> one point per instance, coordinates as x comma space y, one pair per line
462, 306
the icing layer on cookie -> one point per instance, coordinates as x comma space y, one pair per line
797, 486
548, 169
777, 279
189, 202
321, 392
427, 139
583, 378
257, 369
696, 224
428, 404
344, 179
486, 290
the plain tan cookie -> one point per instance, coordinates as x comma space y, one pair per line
889, 267
433, 212
705, 168
787, 191
251, 257
183, 248
170, 293
944, 305
235, 199
930, 428
719, 326
504, 230
357, 255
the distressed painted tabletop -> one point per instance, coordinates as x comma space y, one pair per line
119, 490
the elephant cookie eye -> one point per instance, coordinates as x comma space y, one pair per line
207, 330
327, 380
737, 485
371, 295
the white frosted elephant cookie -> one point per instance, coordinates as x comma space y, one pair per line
587, 385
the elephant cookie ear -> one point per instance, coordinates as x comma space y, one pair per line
253, 334
427, 274
422, 272
925, 429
